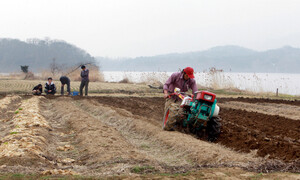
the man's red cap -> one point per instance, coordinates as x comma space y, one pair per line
189, 71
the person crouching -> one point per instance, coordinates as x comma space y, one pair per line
37, 90
50, 87
65, 80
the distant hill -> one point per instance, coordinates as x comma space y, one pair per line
228, 58
38, 54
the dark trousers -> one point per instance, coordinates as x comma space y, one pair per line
82, 85
52, 92
36, 92
63, 89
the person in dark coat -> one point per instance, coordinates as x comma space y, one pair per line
37, 90
65, 80
50, 87
84, 80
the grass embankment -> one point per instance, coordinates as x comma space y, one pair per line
25, 87
105, 88
210, 173
238, 93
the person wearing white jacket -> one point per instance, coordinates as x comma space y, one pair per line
50, 87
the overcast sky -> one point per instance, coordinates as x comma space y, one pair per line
118, 28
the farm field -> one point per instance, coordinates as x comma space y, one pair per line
25, 87
9, 86
116, 133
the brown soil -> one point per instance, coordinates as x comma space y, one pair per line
284, 110
95, 146
244, 131
108, 139
8, 106
146, 129
150, 107
106, 136
2, 96
275, 136
260, 100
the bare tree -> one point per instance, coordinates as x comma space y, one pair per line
28, 75
54, 68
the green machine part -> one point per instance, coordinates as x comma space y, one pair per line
200, 110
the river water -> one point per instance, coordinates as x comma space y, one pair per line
254, 82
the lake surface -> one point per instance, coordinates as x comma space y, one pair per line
254, 82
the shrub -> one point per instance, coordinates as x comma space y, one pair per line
124, 80
29, 76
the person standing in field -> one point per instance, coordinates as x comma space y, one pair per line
84, 80
50, 87
65, 81
184, 81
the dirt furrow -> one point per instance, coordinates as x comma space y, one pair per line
96, 147
260, 100
123, 121
284, 110
105, 136
274, 131
8, 107
149, 108
2, 96
23, 149
273, 136
203, 153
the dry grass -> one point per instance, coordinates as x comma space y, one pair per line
125, 80
144, 142
122, 142
13, 76
25, 86
95, 75
154, 78
284, 110
23, 141
182, 146
209, 173
20, 86
4, 103
15, 83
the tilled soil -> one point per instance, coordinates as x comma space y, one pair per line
95, 147
123, 135
171, 148
8, 107
146, 107
271, 135
283, 110
260, 100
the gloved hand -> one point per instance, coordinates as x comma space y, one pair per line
166, 95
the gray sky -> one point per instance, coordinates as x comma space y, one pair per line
130, 28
